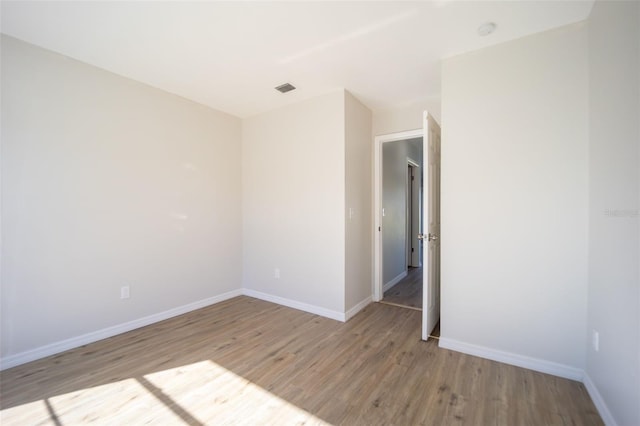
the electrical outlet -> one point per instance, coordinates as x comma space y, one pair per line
124, 292
596, 341
276, 273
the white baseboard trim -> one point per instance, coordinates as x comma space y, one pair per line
328, 313
535, 364
394, 281
94, 336
360, 306
598, 401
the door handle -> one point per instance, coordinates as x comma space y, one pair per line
427, 237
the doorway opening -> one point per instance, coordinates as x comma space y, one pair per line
401, 250
397, 257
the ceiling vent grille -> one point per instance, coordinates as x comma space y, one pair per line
284, 88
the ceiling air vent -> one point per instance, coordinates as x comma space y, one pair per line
284, 88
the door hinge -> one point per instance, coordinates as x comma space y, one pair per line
379, 229
411, 249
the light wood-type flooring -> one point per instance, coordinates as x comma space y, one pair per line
408, 292
249, 362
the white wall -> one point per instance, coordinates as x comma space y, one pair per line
614, 135
514, 198
394, 202
358, 198
293, 192
107, 182
408, 117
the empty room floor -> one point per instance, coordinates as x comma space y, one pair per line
246, 361
408, 292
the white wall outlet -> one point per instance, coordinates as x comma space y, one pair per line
596, 341
124, 292
276, 273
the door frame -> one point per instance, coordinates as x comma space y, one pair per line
377, 202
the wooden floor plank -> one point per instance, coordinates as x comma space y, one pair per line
246, 361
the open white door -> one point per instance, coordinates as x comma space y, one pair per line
431, 222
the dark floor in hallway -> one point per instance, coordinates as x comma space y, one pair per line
408, 292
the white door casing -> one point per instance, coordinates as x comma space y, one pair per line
431, 221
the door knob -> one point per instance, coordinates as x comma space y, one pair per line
428, 237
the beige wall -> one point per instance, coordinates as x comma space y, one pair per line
515, 198
107, 182
293, 192
307, 205
614, 135
404, 118
358, 195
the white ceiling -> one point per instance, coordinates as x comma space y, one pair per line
230, 55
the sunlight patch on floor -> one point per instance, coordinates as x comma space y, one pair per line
196, 394
216, 395
34, 412
123, 402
